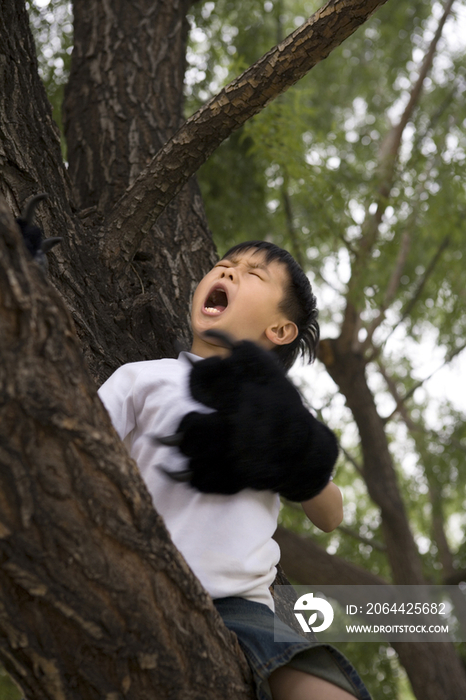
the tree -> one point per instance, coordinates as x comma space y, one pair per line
138, 302
95, 601
373, 180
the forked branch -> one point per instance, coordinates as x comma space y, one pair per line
201, 134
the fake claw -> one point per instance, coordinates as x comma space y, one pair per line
226, 339
169, 440
28, 214
182, 476
50, 243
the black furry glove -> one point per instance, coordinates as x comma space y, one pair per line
260, 436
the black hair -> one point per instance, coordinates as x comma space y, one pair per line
298, 303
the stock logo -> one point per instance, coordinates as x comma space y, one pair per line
308, 604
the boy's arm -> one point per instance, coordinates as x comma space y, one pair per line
326, 509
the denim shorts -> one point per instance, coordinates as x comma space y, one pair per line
258, 628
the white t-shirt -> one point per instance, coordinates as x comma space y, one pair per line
226, 540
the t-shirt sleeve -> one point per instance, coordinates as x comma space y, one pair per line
117, 396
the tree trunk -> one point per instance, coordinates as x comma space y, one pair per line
124, 98
435, 670
95, 600
142, 314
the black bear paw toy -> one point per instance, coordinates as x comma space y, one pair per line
260, 435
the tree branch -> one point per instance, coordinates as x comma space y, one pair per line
197, 139
399, 408
352, 461
342, 528
391, 290
454, 579
348, 456
391, 144
365, 540
401, 400
294, 238
376, 350
435, 489
439, 536
414, 299
306, 562
422, 282
387, 159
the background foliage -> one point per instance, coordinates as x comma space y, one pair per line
308, 167
304, 173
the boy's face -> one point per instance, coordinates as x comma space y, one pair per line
241, 296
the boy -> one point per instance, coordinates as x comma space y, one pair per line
258, 293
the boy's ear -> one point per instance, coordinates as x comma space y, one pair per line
283, 333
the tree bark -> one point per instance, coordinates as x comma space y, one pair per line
124, 98
347, 369
95, 599
144, 313
202, 133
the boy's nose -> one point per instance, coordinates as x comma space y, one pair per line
229, 274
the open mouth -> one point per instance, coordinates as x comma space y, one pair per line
216, 302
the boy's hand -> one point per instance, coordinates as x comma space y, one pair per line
260, 437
